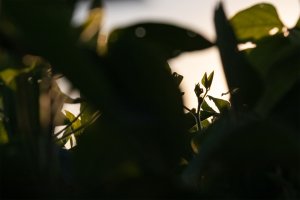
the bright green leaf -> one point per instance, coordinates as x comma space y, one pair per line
76, 124
256, 22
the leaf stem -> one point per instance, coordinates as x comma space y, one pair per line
198, 115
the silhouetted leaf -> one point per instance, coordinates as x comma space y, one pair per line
267, 52
207, 107
281, 78
239, 73
256, 22
221, 104
168, 40
178, 78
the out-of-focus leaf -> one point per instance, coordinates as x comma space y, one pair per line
205, 123
268, 51
3, 134
62, 40
239, 73
178, 78
221, 104
8, 75
256, 22
234, 150
168, 40
281, 78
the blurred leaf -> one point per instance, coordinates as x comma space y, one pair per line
205, 123
256, 22
3, 134
233, 150
239, 73
268, 51
178, 78
9, 75
281, 78
170, 40
221, 104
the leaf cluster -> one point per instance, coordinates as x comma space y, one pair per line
144, 145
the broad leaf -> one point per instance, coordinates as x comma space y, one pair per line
168, 40
256, 22
281, 78
239, 73
268, 51
221, 104
206, 107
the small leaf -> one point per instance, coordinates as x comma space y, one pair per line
178, 78
198, 90
205, 123
204, 80
256, 22
76, 124
3, 134
221, 104
210, 79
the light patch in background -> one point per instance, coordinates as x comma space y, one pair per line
67, 88
196, 15
81, 12
192, 67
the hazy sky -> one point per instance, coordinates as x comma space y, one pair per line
197, 15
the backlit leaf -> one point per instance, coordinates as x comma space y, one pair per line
256, 22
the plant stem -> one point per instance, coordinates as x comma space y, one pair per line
200, 103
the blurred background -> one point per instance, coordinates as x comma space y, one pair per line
194, 14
